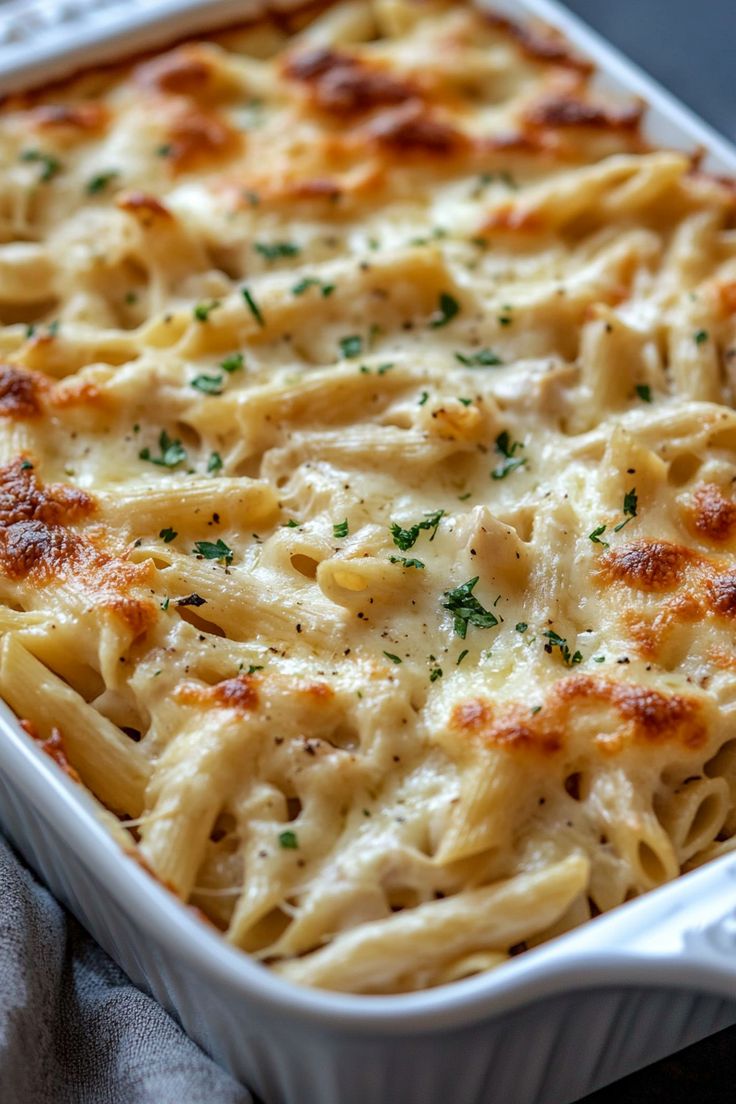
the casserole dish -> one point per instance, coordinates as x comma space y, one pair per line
394, 1040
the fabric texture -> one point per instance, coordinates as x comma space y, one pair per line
73, 1029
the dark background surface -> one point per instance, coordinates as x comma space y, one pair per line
690, 47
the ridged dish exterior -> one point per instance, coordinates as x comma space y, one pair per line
553, 1049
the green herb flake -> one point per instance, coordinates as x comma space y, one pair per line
484, 358
425, 396
340, 530
554, 640
50, 164
252, 306
447, 309
304, 285
406, 563
165, 150
599, 659
168, 535
508, 449
214, 464
596, 535
464, 497
536, 709
644, 392
465, 402
131, 297
274, 251
202, 311
208, 385
100, 182
232, 363
165, 603
405, 539
435, 673
384, 368
327, 290
288, 840
521, 627
171, 452
351, 346
26, 465
290, 524
461, 657
467, 610
631, 503
214, 550
700, 337
392, 657
253, 668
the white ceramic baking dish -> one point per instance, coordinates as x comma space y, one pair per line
555, 1023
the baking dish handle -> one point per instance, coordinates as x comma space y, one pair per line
689, 937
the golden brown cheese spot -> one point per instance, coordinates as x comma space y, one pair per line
239, 693
471, 716
199, 138
19, 392
344, 85
712, 515
24, 499
183, 72
413, 128
722, 594
653, 717
568, 111
318, 691
540, 44
36, 544
727, 294
146, 208
72, 120
645, 564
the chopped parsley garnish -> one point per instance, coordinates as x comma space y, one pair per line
98, 183
521, 627
392, 657
131, 297
232, 363
273, 251
340, 530
505, 319
447, 308
425, 396
484, 358
467, 610
384, 368
508, 449
51, 165
214, 464
631, 503
461, 657
406, 563
208, 385
202, 311
464, 497
311, 281
165, 150
168, 535
290, 524
214, 550
699, 337
407, 538
644, 392
253, 668
435, 673
596, 535
599, 659
554, 640
252, 306
351, 346
172, 452
288, 840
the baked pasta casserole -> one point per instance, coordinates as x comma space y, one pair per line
368, 443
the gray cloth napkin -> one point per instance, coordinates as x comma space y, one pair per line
73, 1029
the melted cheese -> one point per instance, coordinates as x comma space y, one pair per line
366, 527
